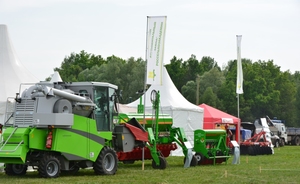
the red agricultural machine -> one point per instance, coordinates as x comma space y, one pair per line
260, 143
256, 145
162, 137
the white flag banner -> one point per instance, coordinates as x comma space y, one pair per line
239, 78
156, 29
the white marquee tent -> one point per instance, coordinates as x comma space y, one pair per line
184, 114
12, 72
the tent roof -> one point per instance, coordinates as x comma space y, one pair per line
213, 115
170, 97
12, 72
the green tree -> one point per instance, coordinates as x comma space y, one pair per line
177, 72
213, 78
76, 63
206, 64
189, 91
127, 75
209, 97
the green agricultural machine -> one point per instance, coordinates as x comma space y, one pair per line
61, 127
162, 137
210, 146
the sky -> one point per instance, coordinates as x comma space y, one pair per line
44, 32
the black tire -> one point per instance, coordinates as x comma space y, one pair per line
107, 162
49, 167
297, 141
194, 161
199, 157
250, 150
74, 168
282, 142
276, 144
162, 163
15, 169
128, 161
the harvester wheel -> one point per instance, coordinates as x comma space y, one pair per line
15, 169
107, 162
194, 161
49, 167
162, 165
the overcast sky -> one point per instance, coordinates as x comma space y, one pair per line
44, 32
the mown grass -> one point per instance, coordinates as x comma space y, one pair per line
282, 167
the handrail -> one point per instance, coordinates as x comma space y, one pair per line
11, 150
9, 138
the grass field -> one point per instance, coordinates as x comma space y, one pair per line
283, 167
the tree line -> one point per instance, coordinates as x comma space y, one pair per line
267, 89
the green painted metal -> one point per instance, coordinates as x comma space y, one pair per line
15, 146
165, 121
37, 138
159, 127
83, 141
211, 143
178, 135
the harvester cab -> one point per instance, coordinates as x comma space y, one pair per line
64, 126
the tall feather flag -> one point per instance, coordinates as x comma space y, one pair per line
156, 29
239, 78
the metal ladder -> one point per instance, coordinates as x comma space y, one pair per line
3, 145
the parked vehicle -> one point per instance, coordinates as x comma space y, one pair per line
257, 127
60, 126
279, 129
290, 135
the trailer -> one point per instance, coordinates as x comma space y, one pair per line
293, 136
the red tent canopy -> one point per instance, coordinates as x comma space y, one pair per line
213, 118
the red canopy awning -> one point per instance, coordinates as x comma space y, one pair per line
213, 117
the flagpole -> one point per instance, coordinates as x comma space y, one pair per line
144, 92
239, 84
238, 105
239, 78
155, 36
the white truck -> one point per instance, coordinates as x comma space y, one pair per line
279, 129
290, 135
